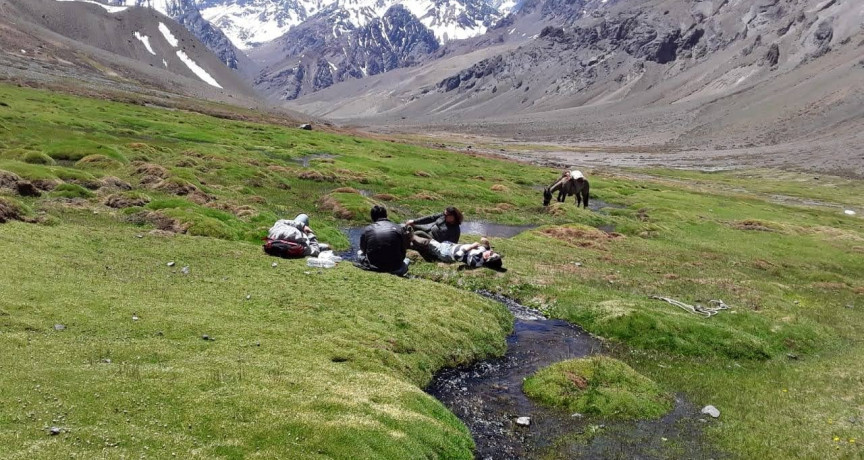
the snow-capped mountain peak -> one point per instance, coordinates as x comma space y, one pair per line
248, 23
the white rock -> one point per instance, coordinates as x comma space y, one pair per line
170, 264
274, 265
711, 410
185, 270
134, 318
523, 421
849, 212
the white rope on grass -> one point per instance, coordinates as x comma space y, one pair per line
697, 309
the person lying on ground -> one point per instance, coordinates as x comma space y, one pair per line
383, 245
478, 254
295, 232
439, 227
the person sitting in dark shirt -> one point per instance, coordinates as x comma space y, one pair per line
383, 245
439, 227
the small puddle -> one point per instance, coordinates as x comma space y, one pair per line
599, 205
353, 234
493, 230
307, 160
606, 228
487, 396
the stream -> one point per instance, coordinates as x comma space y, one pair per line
487, 396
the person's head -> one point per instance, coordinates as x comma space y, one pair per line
302, 218
378, 212
547, 196
492, 259
452, 216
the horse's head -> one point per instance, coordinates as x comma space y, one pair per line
547, 196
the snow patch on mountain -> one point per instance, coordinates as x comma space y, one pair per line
108, 8
197, 70
169, 37
146, 41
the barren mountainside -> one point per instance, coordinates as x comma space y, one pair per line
672, 73
110, 47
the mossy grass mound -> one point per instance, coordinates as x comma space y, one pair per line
71, 191
12, 209
76, 149
599, 386
38, 158
99, 162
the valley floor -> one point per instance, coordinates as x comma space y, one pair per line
124, 355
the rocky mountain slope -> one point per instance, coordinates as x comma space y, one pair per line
353, 40
670, 73
112, 47
187, 13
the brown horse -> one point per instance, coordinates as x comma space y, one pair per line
566, 187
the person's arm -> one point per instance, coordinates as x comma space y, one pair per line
426, 220
363, 241
460, 253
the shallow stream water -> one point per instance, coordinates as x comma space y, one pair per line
487, 396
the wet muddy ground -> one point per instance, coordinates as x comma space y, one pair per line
488, 398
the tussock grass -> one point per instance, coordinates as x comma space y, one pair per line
71, 191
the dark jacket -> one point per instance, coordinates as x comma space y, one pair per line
384, 244
437, 227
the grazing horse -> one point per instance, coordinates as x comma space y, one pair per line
566, 187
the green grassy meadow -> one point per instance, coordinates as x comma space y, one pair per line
302, 363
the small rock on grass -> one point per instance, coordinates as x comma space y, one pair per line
54, 431
711, 410
274, 265
170, 264
185, 270
59, 327
523, 421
